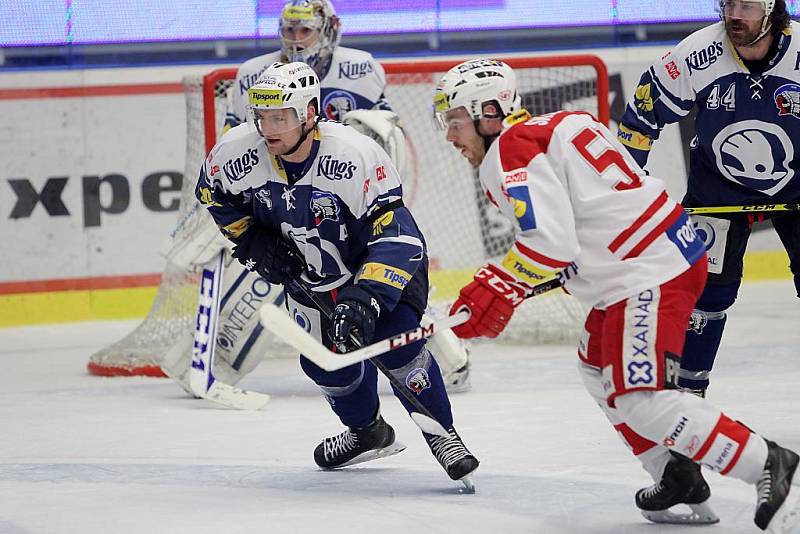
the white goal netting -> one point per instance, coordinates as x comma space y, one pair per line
461, 228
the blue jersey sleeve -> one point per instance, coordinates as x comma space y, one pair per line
395, 248
664, 96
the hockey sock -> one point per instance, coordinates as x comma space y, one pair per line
692, 427
351, 392
424, 379
654, 458
702, 342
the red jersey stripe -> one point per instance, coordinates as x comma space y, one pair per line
673, 216
629, 231
541, 258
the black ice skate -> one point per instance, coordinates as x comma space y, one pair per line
451, 454
681, 483
778, 508
354, 446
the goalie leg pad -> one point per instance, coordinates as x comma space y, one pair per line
241, 341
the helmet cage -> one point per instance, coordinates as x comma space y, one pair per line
317, 15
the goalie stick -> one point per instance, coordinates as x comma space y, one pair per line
201, 378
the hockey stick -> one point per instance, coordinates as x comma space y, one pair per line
201, 379
279, 323
756, 208
315, 351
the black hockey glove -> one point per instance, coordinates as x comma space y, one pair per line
354, 318
269, 254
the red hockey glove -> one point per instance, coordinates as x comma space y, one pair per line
491, 299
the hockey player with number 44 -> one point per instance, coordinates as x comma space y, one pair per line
742, 77
584, 211
318, 207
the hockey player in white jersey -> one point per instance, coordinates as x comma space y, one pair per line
310, 32
742, 77
584, 211
315, 204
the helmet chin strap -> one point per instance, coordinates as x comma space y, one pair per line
303, 137
765, 27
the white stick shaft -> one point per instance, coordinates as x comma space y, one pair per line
280, 324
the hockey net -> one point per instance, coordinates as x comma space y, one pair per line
462, 229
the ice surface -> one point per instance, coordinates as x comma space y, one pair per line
88, 455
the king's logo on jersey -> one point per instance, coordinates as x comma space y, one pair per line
353, 71
704, 58
755, 154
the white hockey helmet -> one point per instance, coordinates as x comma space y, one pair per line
474, 83
385, 128
285, 85
316, 15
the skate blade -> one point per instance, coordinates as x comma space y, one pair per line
700, 514
787, 519
391, 450
469, 484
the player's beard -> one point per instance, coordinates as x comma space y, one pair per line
739, 32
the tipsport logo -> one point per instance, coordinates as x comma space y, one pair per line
265, 97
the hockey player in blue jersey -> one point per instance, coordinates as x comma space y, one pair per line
316, 201
742, 76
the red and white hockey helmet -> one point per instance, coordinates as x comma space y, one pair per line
315, 15
474, 83
285, 85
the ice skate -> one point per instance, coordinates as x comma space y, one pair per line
454, 457
681, 483
778, 506
354, 446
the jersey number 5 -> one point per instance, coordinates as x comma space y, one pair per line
609, 157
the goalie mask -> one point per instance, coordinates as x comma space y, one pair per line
385, 128
473, 84
283, 86
309, 32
